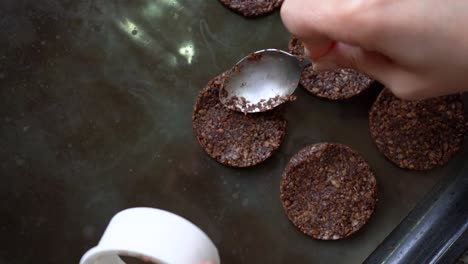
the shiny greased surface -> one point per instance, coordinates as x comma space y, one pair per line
96, 100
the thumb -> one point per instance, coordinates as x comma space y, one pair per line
344, 55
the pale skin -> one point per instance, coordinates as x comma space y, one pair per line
417, 48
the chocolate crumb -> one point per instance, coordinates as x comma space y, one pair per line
254, 56
240, 104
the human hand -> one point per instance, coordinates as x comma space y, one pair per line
418, 49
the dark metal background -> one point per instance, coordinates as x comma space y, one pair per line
436, 231
95, 116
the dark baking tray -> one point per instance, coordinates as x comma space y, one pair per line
95, 114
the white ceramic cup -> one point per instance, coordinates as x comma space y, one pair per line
154, 236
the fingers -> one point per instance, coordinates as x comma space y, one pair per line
403, 83
319, 23
395, 42
352, 57
293, 15
410, 86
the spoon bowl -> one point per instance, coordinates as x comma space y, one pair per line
262, 81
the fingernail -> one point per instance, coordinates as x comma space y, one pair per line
318, 52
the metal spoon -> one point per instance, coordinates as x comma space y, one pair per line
262, 81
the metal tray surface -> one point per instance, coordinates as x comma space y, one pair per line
96, 102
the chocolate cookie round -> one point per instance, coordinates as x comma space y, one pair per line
418, 135
328, 191
233, 138
334, 85
296, 47
252, 8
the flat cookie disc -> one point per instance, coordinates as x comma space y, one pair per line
418, 135
296, 47
233, 138
334, 85
252, 8
328, 191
